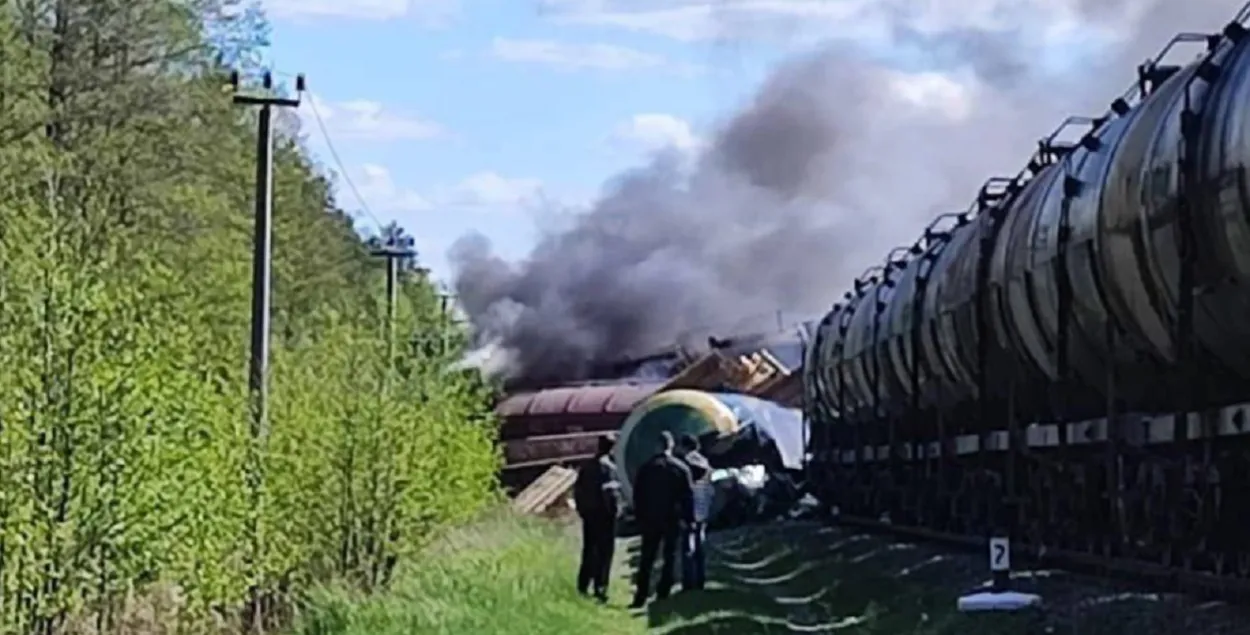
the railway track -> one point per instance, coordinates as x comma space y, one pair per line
1152, 575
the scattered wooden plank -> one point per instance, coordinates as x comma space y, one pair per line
553, 486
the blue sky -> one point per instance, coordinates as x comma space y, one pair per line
480, 113
459, 115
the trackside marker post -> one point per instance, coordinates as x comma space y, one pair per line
1000, 562
999, 597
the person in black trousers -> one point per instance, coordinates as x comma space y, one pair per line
594, 495
663, 501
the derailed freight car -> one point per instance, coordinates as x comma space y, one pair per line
1067, 359
561, 425
734, 431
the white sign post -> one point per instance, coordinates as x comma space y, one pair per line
1000, 555
998, 597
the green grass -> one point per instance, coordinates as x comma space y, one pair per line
510, 575
502, 576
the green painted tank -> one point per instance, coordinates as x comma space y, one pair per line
714, 418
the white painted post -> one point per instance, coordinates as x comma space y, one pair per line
1000, 562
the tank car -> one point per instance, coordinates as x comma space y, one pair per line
734, 430
560, 425
1067, 359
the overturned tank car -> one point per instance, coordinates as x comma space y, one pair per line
734, 431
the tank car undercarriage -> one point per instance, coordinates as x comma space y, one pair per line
1067, 362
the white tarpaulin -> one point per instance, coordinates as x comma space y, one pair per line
784, 426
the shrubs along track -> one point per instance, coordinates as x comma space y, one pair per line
134, 495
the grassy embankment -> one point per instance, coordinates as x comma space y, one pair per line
503, 576
514, 576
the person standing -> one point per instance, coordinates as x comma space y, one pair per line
594, 495
694, 560
662, 502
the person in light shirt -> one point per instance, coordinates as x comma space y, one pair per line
694, 559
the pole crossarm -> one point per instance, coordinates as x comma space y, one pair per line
267, 99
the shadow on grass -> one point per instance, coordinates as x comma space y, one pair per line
693, 605
730, 624
804, 578
811, 579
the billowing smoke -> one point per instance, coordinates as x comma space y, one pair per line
833, 161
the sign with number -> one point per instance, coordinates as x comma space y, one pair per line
1000, 554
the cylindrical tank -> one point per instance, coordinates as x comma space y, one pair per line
706, 416
1118, 192
560, 425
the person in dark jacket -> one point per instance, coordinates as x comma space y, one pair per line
693, 557
594, 495
662, 502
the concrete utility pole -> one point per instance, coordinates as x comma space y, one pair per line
262, 245
396, 247
258, 366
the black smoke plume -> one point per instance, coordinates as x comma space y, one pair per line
834, 160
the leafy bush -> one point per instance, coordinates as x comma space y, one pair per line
130, 475
481, 579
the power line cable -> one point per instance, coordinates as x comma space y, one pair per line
338, 162
334, 154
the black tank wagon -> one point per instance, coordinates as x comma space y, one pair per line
1068, 360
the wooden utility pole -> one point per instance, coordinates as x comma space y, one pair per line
262, 247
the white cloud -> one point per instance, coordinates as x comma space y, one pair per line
491, 190
485, 191
382, 194
863, 20
709, 20
365, 120
652, 132
428, 10
944, 94
570, 56
482, 196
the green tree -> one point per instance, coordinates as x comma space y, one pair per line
125, 238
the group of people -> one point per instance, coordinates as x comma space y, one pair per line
672, 501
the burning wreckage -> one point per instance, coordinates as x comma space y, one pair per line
754, 446
737, 399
